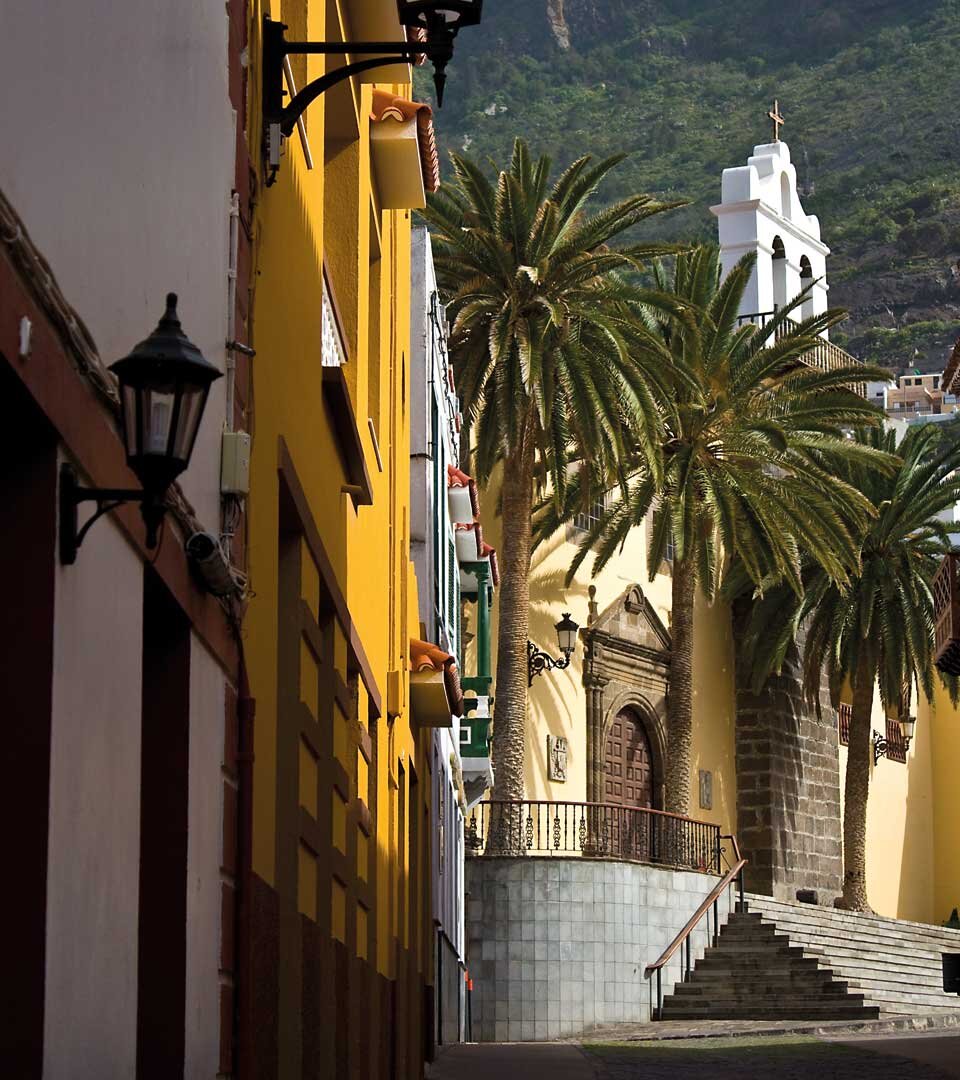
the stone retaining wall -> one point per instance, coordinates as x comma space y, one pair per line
556, 946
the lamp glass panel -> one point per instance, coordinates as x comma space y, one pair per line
156, 415
191, 410
567, 639
128, 405
907, 727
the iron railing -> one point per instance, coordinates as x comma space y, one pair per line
683, 942
824, 355
595, 830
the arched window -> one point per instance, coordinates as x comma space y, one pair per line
786, 197
806, 277
779, 273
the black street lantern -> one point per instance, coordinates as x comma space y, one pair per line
440, 21
539, 661
567, 634
164, 383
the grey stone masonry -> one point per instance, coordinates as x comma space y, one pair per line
788, 788
557, 946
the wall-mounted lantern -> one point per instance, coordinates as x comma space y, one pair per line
438, 20
881, 745
164, 383
539, 661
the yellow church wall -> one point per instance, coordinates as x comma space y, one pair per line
900, 847
557, 702
714, 714
312, 219
943, 722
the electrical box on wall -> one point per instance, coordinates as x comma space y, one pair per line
235, 463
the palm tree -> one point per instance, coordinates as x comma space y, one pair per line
750, 448
543, 360
876, 633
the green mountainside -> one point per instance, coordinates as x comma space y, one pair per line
870, 90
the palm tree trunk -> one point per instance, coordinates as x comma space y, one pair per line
856, 790
680, 692
510, 712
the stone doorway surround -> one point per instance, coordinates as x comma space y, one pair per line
626, 664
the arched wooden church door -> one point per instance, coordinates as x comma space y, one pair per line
627, 785
628, 762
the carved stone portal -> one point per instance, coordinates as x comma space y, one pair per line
626, 665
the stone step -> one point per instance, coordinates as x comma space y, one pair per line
805, 962
839, 992
799, 1012
720, 975
897, 965
897, 929
747, 957
905, 968
798, 930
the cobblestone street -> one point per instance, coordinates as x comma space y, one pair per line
789, 1057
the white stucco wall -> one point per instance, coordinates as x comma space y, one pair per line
90, 1014
118, 141
203, 863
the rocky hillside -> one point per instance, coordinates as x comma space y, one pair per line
869, 89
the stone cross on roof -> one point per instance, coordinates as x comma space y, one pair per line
777, 119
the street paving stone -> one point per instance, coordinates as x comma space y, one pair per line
792, 1057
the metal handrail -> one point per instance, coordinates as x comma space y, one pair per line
712, 900
592, 829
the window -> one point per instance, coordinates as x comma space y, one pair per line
586, 521
896, 749
844, 714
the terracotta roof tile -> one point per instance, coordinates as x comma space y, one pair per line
456, 478
425, 656
387, 106
491, 553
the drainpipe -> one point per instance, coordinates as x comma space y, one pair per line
232, 307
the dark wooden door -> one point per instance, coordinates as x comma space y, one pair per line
627, 763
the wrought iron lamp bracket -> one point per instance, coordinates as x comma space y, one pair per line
280, 119
71, 495
881, 746
538, 662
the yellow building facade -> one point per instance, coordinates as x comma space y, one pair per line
912, 858
340, 847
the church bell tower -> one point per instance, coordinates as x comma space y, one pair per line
760, 212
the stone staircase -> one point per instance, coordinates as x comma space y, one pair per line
754, 972
897, 966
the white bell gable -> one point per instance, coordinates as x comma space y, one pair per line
760, 212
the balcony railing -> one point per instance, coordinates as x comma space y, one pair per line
824, 355
594, 830
333, 352
946, 615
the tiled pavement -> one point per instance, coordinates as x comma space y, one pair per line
933, 1056
793, 1057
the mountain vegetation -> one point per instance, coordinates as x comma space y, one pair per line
867, 88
